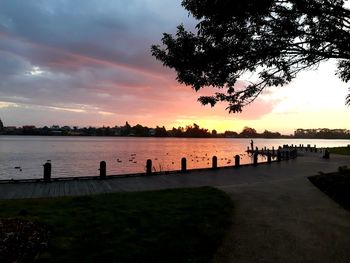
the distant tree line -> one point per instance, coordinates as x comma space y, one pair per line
138, 130
322, 133
190, 131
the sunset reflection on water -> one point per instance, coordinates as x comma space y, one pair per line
80, 156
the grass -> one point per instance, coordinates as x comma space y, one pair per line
340, 150
183, 225
335, 185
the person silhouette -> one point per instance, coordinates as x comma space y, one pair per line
252, 145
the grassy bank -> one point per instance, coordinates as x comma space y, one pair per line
335, 185
340, 150
184, 225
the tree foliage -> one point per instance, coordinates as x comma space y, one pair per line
275, 39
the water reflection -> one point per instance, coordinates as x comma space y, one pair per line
80, 156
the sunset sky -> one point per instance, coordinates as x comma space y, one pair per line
88, 63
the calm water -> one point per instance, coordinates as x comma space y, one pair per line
80, 156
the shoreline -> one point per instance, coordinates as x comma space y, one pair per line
282, 137
116, 176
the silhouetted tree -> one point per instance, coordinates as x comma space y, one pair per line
230, 134
177, 132
273, 38
248, 132
160, 132
139, 130
195, 131
269, 134
125, 130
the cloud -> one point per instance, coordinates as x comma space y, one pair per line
88, 52
89, 61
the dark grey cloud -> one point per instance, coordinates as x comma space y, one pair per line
118, 31
83, 48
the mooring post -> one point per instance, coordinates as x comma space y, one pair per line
269, 157
149, 167
279, 156
215, 162
237, 160
255, 159
183, 165
326, 154
47, 172
103, 170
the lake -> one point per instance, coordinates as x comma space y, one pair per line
80, 156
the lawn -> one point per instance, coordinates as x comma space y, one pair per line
335, 185
340, 150
183, 225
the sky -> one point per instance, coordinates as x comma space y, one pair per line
88, 63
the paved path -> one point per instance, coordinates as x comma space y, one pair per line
279, 216
287, 220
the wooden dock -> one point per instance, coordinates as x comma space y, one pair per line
274, 152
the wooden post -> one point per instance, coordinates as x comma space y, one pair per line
279, 156
103, 169
326, 154
269, 157
149, 167
47, 172
215, 162
255, 159
183, 165
237, 160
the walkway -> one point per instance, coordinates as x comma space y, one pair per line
279, 216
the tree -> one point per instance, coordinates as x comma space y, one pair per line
275, 39
160, 132
248, 132
269, 134
140, 131
125, 130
